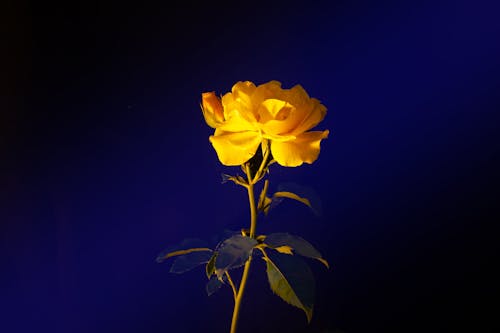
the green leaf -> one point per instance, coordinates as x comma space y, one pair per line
280, 239
185, 247
233, 253
293, 196
189, 261
210, 268
304, 192
291, 279
284, 249
213, 285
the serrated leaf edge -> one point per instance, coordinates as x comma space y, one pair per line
307, 311
220, 271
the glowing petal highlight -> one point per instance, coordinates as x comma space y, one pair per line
305, 148
235, 148
212, 109
312, 118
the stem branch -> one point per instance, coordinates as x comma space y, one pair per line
259, 175
231, 283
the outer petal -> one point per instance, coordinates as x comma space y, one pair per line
305, 148
211, 107
235, 148
313, 117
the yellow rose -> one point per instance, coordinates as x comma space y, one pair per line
250, 115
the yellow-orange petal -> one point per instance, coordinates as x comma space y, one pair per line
305, 148
315, 115
278, 117
297, 96
243, 90
235, 148
238, 106
272, 108
212, 109
241, 96
271, 89
238, 123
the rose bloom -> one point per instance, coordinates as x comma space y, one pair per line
250, 115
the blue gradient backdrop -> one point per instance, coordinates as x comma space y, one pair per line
108, 162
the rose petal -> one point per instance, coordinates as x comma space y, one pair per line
238, 104
297, 96
240, 99
313, 117
243, 91
235, 148
238, 123
285, 117
211, 107
271, 89
305, 148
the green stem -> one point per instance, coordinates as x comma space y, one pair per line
259, 175
246, 270
253, 209
239, 297
231, 283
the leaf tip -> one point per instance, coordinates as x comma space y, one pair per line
324, 262
309, 314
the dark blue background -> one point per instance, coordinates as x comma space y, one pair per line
106, 161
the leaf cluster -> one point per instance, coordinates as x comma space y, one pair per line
289, 276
